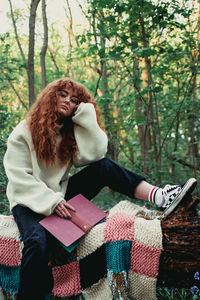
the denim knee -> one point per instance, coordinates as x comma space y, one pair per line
103, 162
37, 244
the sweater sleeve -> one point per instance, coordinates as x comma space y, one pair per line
90, 138
23, 188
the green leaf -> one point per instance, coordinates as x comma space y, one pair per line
144, 52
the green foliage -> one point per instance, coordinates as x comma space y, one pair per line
8, 120
11, 65
4, 206
176, 294
140, 60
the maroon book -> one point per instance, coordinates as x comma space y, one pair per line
68, 231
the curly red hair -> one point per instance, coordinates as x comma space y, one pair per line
43, 122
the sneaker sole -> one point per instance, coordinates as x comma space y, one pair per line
188, 188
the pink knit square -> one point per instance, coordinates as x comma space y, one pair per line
10, 254
119, 227
145, 259
66, 280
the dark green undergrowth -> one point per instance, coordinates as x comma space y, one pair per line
176, 294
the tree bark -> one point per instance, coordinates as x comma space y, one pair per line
110, 125
16, 35
192, 111
45, 45
109, 122
143, 129
70, 29
53, 57
180, 259
33, 9
141, 101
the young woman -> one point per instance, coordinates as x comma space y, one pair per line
63, 128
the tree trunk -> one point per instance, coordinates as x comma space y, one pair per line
192, 111
141, 101
45, 45
52, 53
110, 125
143, 129
180, 259
17, 36
33, 9
109, 122
151, 119
14, 89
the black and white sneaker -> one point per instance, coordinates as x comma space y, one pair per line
173, 194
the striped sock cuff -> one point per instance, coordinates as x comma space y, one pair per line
152, 194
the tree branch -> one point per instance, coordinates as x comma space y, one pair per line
175, 117
53, 59
14, 89
182, 161
45, 44
16, 34
33, 9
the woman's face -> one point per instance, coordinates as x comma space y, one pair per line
67, 103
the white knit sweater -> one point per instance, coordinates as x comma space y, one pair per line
30, 182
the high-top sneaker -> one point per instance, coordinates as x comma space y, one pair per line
173, 194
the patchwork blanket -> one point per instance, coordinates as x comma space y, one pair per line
116, 259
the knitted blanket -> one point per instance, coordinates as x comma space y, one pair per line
116, 259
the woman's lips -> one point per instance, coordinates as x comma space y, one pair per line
64, 107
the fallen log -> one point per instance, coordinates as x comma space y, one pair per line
180, 260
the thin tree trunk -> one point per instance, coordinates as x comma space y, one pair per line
70, 34
112, 135
53, 57
14, 89
178, 114
143, 129
113, 149
32, 18
45, 45
140, 103
194, 168
70, 30
17, 36
192, 113
150, 109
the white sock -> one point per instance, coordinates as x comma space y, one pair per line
156, 196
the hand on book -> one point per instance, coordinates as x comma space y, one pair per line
62, 209
69, 231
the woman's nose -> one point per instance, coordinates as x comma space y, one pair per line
67, 99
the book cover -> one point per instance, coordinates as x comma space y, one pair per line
69, 231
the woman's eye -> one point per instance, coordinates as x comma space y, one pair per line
63, 94
74, 101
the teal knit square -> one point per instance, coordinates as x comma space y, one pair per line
9, 278
118, 256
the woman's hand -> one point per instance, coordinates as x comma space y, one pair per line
62, 209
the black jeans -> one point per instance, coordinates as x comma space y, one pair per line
35, 276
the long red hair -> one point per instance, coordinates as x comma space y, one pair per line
43, 121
